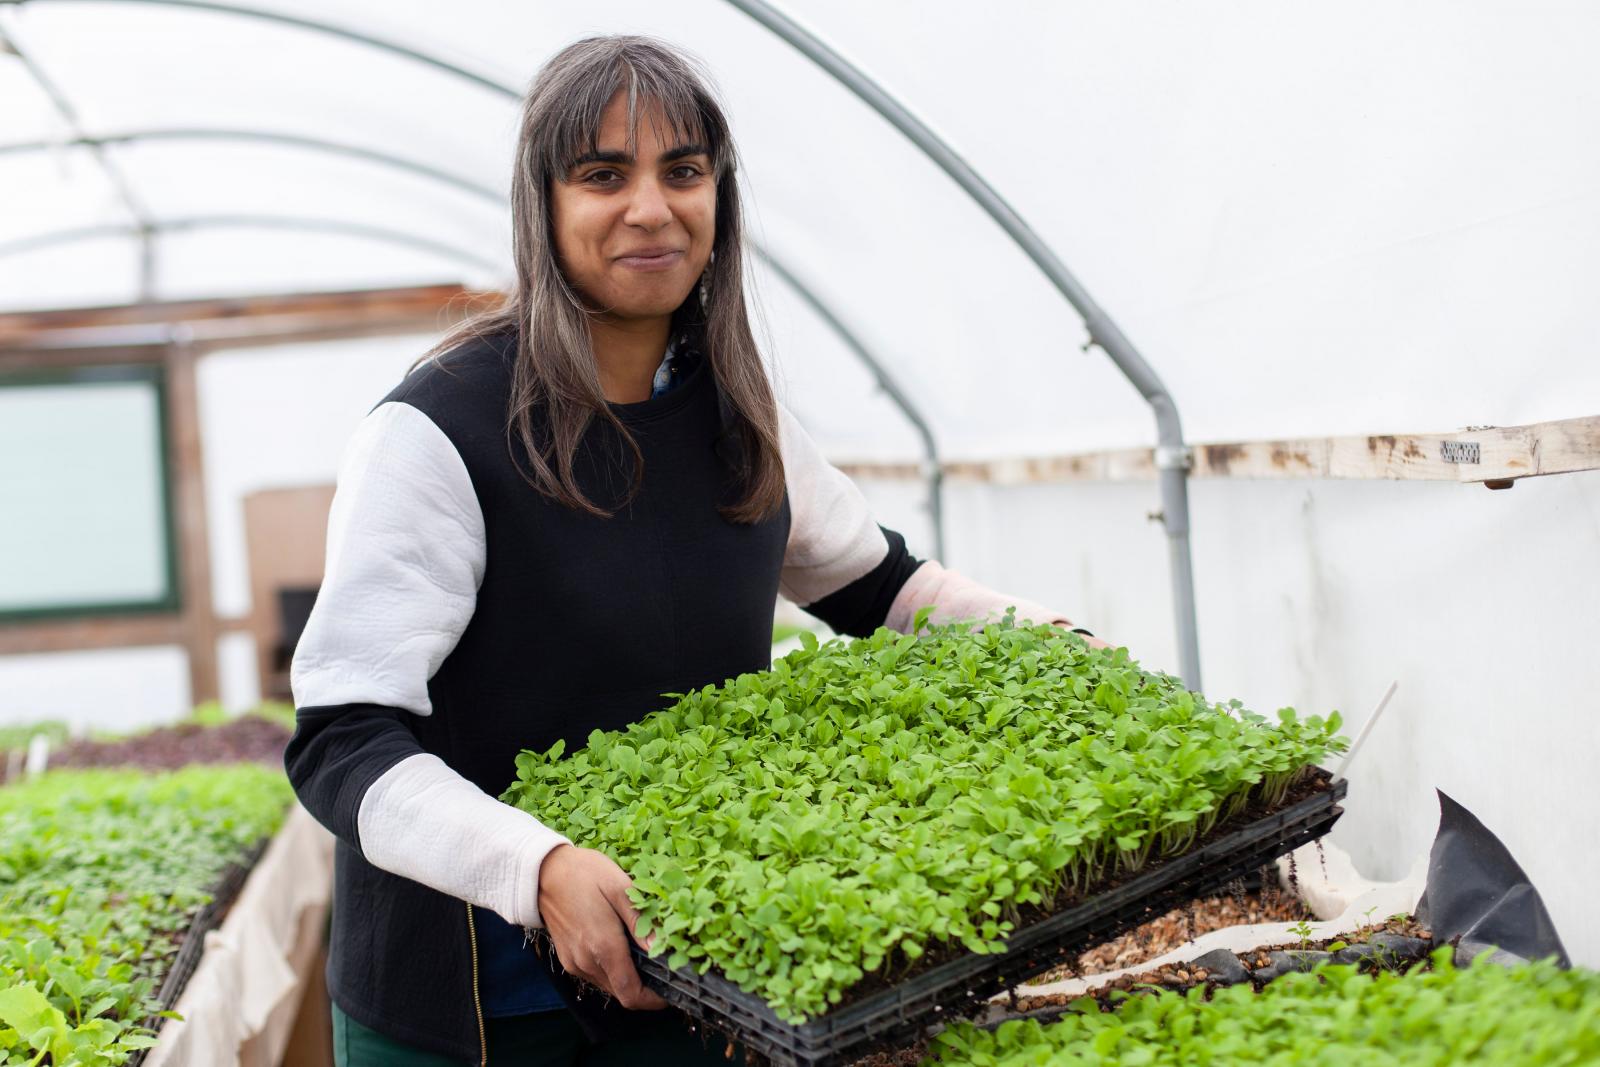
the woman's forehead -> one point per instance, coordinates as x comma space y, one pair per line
617, 130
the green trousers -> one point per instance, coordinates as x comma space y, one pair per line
550, 1038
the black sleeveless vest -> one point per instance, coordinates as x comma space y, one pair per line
581, 624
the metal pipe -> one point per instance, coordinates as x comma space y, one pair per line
1173, 457
119, 181
294, 140
935, 470
891, 388
268, 222
327, 28
368, 40
879, 371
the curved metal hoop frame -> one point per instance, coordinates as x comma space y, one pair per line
1171, 452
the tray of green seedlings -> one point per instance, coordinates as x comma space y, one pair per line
15, 740
108, 880
877, 832
1530, 1015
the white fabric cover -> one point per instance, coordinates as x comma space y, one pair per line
1342, 899
240, 1004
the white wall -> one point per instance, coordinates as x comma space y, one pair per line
118, 689
277, 418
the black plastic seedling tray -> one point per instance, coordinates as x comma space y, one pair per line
193, 945
897, 1014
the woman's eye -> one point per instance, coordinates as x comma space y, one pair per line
688, 172
596, 175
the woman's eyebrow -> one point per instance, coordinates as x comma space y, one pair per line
684, 150
668, 156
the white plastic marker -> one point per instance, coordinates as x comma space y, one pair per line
38, 755
1366, 729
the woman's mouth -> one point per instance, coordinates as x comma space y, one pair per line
652, 259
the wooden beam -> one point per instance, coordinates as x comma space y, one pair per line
101, 631
51, 338
194, 549
26, 359
1495, 456
20, 326
106, 631
286, 538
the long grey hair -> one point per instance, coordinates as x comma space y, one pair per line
554, 374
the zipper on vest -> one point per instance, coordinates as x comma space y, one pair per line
477, 1005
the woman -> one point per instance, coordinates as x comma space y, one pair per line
572, 505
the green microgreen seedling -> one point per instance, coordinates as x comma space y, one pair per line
1531, 1015
866, 802
100, 873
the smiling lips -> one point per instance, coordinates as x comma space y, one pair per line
651, 258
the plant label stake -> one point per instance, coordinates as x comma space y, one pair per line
1366, 729
38, 755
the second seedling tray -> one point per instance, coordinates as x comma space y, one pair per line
898, 1013
192, 944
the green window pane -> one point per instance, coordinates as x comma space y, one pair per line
83, 494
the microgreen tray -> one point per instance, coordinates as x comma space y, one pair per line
193, 944
1527, 1014
900, 1012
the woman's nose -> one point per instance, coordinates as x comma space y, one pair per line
647, 205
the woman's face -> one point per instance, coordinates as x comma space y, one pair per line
633, 234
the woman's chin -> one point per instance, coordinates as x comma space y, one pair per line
647, 307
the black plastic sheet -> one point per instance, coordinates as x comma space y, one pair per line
1477, 892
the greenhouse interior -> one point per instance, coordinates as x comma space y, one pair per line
1081, 531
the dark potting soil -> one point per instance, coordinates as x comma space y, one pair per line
1310, 784
1181, 925
1176, 978
248, 739
1180, 977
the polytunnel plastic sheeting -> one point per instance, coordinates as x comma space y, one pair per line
202, 262
66, 189
1309, 222
28, 114
345, 190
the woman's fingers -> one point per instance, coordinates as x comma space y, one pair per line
622, 978
570, 966
583, 895
619, 964
617, 895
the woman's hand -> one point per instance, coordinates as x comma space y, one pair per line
583, 899
1090, 639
